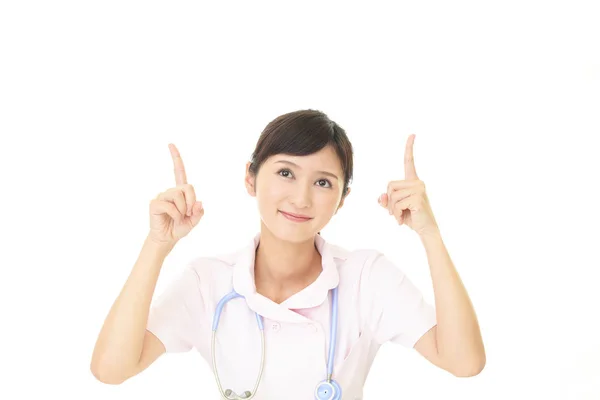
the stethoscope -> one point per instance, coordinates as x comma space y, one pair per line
327, 389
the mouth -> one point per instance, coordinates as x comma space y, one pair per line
295, 217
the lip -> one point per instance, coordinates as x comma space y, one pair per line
295, 217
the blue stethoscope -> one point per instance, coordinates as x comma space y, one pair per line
325, 390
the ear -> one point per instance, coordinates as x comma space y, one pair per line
249, 181
342, 201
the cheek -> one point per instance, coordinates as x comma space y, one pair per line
326, 202
269, 192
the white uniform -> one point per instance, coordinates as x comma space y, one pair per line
377, 303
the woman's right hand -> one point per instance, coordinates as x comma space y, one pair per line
175, 212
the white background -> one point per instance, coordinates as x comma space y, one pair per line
503, 97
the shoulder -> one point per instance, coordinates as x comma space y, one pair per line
368, 262
366, 270
211, 269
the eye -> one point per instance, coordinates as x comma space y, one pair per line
325, 181
286, 173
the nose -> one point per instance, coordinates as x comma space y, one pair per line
301, 196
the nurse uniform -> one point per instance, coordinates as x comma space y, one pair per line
377, 303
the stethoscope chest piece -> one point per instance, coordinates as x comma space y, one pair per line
328, 390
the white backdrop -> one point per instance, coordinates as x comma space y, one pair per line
504, 100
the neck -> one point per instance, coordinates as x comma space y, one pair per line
281, 264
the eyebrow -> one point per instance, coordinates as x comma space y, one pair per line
296, 165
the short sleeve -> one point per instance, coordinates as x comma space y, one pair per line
175, 315
400, 312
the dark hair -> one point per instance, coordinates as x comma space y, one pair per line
300, 133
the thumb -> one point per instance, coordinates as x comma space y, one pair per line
383, 200
197, 213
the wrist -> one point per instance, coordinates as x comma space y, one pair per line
431, 235
159, 247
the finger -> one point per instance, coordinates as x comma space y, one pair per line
190, 198
400, 185
384, 201
390, 204
402, 202
399, 217
400, 195
176, 196
158, 207
197, 213
410, 172
180, 177
407, 204
400, 207
390, 189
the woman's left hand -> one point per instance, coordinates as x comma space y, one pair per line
406, 199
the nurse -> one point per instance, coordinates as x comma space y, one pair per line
290, 315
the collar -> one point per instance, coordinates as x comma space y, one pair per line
311, 296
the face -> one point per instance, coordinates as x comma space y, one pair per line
307, 187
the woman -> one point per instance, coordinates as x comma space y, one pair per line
324, 310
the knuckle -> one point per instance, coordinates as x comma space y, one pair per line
179, 194
189, 189
167, 194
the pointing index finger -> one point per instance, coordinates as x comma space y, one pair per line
410, 171
180, 178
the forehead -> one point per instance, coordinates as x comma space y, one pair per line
324, 159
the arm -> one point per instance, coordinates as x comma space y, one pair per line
455, 343
124, 347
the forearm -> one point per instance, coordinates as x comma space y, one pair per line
119, 344
459, 340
